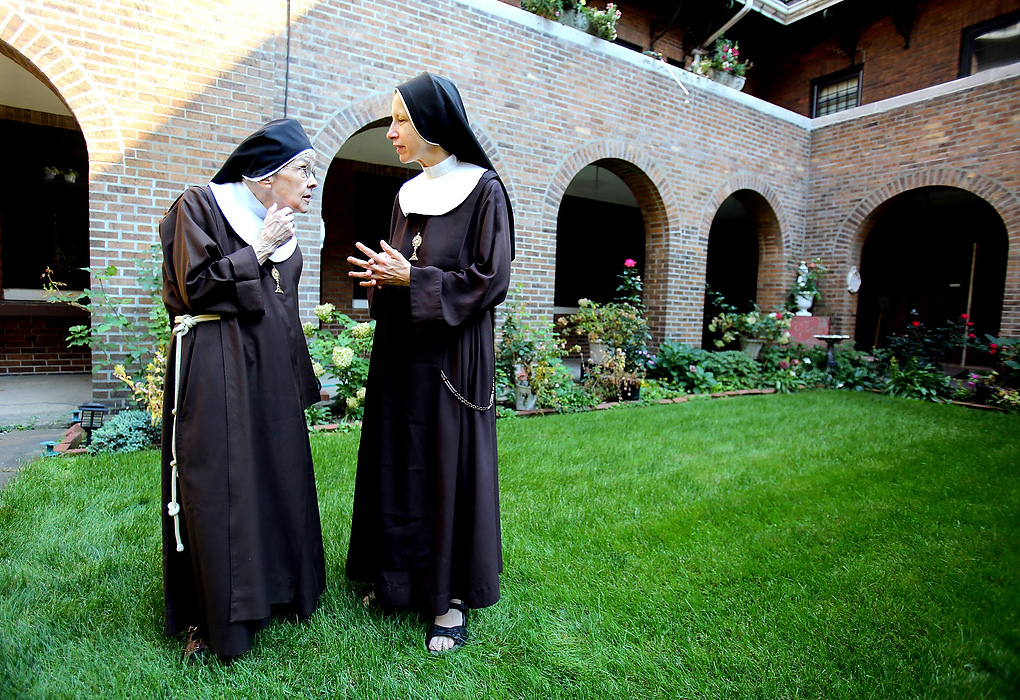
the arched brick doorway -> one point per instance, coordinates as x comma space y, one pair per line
745, 262
937, 251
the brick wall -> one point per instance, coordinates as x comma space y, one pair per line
163, 94
966, 139
891, 67
36, 344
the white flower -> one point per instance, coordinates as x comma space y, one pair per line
342, 357
318, 369
362, 330
353, 402
807, 360
324, 312
360, 393
308, 328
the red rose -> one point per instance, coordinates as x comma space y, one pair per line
992, 346
992, 352
915, 324
964, 316
969, 323
779, 316
971, 335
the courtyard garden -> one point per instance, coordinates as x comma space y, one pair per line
822, 544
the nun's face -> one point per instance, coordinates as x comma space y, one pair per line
411, 147
292, 184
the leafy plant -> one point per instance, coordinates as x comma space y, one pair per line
113, 333
620, 324
771, 327
128, 431
604, 21
550, 9
915, 380
528, 354
318, 414
1006, 354
930, 345
685, 368
734, 370
342, 355
611, 380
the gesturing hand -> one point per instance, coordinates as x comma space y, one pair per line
277, 229
385, 267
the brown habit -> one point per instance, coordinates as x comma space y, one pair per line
425, 525
249, 513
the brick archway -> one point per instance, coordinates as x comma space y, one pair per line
848, 244
49, 61
656, 200
776, 254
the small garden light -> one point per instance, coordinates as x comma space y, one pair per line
92, 417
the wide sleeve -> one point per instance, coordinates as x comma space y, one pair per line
207, 279
456, 296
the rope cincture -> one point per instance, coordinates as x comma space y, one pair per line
184, 324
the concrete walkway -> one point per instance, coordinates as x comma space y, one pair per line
38, 407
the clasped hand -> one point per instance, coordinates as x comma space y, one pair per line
385, 267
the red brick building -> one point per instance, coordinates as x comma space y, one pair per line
605, 155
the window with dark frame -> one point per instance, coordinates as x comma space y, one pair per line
836, 92
990, 44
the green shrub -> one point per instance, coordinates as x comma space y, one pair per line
128, 431
734, 370
684, 367
914, 380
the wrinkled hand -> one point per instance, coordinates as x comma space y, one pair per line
386, 267
277, 229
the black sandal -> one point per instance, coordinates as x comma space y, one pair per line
458, 633
195, 648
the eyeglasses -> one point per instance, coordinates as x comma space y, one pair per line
307, 171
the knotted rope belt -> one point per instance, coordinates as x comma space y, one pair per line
183, 324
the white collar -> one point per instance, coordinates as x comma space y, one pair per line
439, 189
245, 214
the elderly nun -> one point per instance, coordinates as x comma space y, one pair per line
241, 532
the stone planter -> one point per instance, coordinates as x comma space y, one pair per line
728, 79
752, 346
804, 302
575, 19
599, 353
525, 397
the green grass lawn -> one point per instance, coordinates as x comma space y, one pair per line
815, 545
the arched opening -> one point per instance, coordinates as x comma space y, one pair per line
357, 200
48, 162
936, 251
599, 225
744, 263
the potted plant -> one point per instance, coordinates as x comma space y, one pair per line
755, 329
603, 22
550, 9
526, 354
620, 324
723, 64
805, 290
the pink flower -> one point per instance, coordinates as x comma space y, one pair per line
970, 323
779, 316
964, 316
810, 264
992, 346
783, 364
971, 335
629, 263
